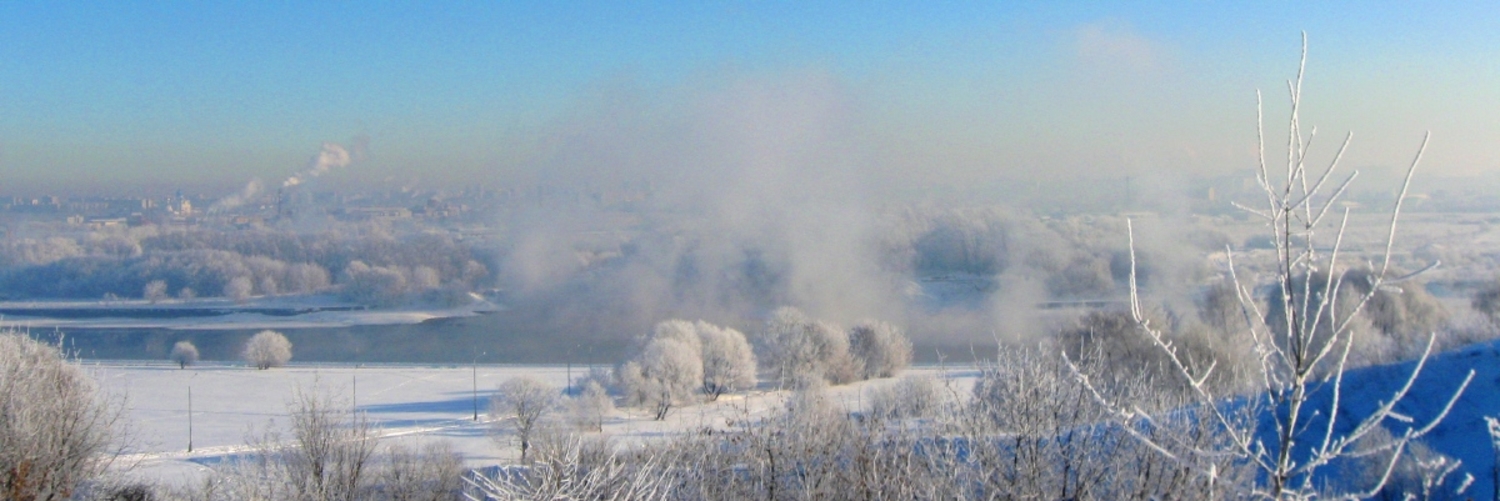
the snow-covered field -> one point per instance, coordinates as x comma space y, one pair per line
416, 404
408, 403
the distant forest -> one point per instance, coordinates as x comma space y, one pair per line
370, 267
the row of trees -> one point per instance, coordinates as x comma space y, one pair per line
797, 348
264, 350
681, 360
370, 267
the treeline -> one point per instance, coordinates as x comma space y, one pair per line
368, 267
1080, 257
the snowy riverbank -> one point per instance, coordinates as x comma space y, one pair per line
278, 312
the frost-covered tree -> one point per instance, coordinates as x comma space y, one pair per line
376, 285
432, 473
520, 405
57, 429
728, 361
268, 286
123, 263
881, 348
267, 349
307, 277
678, 330
156, 290
329, 455
667, 371
1219, 307
184, 354
796, 348
590, 406
1302, 353
333, 449
425, 277
239, 288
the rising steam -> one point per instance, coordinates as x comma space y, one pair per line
332, 156
234, 201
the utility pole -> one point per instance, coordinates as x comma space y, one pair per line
190, 418
475, 374
568, 360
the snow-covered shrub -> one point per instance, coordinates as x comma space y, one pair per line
1487, 301
912, 396
329, 455
590, 406
434, 472
881, 348
57, 429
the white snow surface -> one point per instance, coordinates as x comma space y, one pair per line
415, 404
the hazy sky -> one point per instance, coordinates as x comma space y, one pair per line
200, 92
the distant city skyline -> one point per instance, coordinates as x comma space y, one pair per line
106, 95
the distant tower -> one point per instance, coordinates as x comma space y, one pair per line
181, 205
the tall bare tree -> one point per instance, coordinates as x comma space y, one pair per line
333, 449
1302, 354
521, 405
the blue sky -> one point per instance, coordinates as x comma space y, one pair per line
217, 93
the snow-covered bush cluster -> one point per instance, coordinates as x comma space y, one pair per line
796, 348
681, 361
